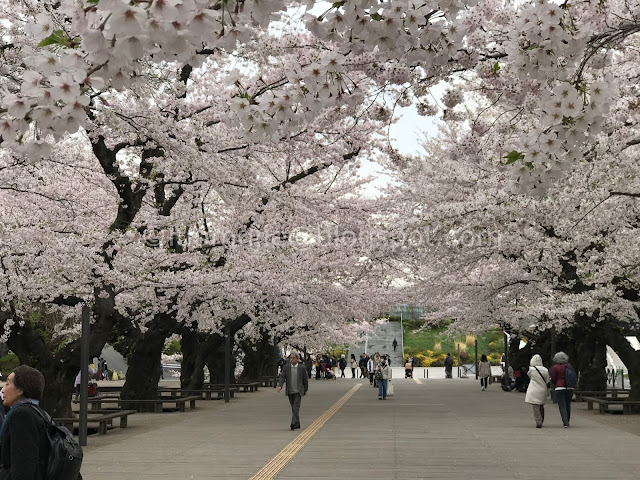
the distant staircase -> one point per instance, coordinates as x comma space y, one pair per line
381, 340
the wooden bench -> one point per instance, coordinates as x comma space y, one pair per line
603, 404
103, 420
611, 392
204, 393
180, 402
246, 387
269, 381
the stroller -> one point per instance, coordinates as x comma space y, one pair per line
328, 374
408, 370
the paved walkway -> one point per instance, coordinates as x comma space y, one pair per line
439, 429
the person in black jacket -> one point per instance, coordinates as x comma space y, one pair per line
342, 363
24, 446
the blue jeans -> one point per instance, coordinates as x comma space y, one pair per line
382, 388
564, 398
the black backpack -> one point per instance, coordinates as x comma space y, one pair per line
65, 453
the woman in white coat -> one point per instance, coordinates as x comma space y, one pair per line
537, 391
484, 372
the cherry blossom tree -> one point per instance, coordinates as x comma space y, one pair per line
547, 58
560, 261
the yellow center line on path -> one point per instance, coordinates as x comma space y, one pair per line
277, 463
417, 380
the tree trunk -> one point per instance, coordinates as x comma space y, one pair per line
259, 357
589, 357
192, 367
214, 355
145, 367
631, 358
59, 362
200, 349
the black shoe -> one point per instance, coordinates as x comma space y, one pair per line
292, 427
538, 426
379, 398
297, 425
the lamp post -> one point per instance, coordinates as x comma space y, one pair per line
84, 376
227, 362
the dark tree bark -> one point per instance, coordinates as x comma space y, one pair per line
260, 357
200, 349
59, 361
214, 355
144, 363
192, 368
588, 355
631, 358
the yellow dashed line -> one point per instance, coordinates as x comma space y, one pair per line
417, 380
277, 463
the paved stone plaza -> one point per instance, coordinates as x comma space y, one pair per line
439, 429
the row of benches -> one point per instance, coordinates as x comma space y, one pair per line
606, 398
104, 419
179, 397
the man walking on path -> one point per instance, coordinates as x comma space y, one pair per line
448, 366
395, 344
297, 386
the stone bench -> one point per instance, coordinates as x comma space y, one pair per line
104, 419
603, 404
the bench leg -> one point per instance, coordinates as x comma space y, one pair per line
602, 408
589, 405
102, 427
192, 404
626, 409
158, 408
123, 421
207, 395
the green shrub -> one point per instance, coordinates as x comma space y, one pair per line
8, 363
173, 347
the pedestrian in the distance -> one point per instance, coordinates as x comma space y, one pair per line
24, 446
342, 363
395, 344
448, 366
385, 371
371, 370
105, 370
308, 363
295, 376
354, 365
564, 395
538, 388
484, 372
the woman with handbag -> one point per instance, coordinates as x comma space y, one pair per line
385, 376
484, 372
538, 388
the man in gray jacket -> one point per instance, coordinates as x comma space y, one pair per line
297, 385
